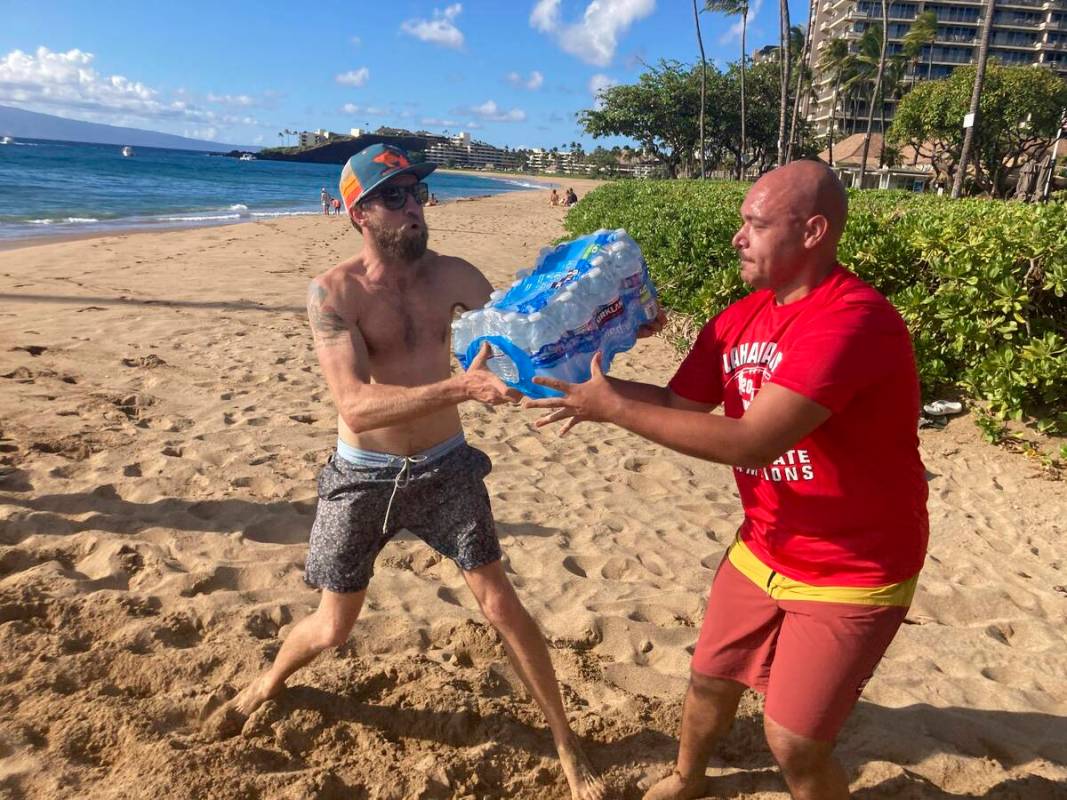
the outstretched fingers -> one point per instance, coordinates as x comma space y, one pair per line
553, 383
555, 416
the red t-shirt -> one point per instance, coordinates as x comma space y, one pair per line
847, 505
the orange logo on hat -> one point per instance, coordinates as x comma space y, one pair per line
391, 160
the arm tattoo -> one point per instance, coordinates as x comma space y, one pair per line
326, 324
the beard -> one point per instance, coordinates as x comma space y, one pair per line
400, 244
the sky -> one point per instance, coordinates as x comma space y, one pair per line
511, 72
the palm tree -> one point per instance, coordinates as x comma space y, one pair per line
703, 86
892, 87
922, 33
784, 61
834, 60
876, 92
735, 7
803, 38
976, 97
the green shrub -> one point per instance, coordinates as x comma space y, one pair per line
980, 283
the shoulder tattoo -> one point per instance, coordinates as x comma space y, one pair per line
327, 325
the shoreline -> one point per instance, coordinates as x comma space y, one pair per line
34, 240
23, 242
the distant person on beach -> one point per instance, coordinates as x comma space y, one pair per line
433, 199
381, 323
554, 199
325, 197
336, 204
817, 379
570, 199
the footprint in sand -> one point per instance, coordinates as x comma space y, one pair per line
132, 405
21, 375
151, 361
178, 630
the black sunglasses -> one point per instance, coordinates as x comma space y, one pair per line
394, 197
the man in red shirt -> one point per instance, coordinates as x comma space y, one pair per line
816, 375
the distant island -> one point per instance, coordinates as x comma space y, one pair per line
338, 149
20, 124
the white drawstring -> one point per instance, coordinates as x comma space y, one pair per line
402, 479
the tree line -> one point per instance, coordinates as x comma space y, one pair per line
748, 117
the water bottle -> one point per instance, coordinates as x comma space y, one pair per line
590, 294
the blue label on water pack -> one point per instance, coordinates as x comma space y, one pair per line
554, 273
609, 327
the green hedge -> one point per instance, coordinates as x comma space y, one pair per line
980, 283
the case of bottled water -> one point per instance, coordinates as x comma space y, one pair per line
582, 296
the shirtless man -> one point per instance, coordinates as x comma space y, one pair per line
381, 326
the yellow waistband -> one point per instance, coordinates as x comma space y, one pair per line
780, 587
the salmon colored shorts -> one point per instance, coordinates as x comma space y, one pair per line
810, 657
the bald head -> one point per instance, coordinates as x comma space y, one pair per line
791, 221
805, 189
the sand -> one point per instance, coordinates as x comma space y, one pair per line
162, 421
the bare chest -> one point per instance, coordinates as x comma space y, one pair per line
399, 322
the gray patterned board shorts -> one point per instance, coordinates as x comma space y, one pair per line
441, 498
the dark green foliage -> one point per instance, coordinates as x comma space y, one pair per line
980, 283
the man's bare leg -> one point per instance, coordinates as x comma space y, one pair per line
808, 765
526, 648
708, 711
328, 626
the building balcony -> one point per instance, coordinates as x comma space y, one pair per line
1021, 25
954, 61
1027, 46
951, 21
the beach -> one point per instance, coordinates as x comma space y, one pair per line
162, 423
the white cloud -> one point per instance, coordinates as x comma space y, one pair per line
439, 30
545, 15
241, 100
356, 41
597, 84
67, 84
351, 108
533, 83
595, 38
491, 112
356, 77
437, 122
734, 32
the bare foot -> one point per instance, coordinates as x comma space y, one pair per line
228, 720
584, 782
254, 695
675, 787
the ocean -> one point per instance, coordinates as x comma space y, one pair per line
52, 188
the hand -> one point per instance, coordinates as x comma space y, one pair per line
592, 401
482, 385
653, 327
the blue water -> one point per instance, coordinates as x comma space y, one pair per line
49, 188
